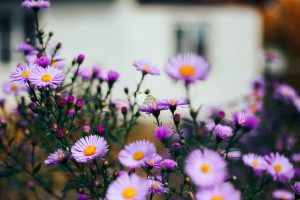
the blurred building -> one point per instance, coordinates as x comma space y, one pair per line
113, 33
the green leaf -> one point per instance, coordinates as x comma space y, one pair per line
37, 168
9, 172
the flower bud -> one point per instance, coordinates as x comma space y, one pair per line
62, 102
80, 58
79, 103
124, 110
86, 128
59, 133
43, 61
100, 129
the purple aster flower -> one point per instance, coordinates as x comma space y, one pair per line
210, 126
89, 148
155, 161
128, 187
172, 102
22, 72
56, 157
188, 68
46, 77
244, 119
112, 76
162, 132
283, 195
43, 61
136, 154
82, 196
223, 191
25, 48
222, 131
256, 162
57, 63
13, 87
205, 167
279, 167
86, 73
169, 164
152, 109
146, 67
285, 92
296, 102
296, 157
156, 187
296, 188
35, 4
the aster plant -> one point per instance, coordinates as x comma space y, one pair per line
69, 138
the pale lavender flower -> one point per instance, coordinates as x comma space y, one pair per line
152, 109
155, 161
22, 72
89, 148
136, 154
188, 68
256, 162
244, 119
279, 167
282, 195
25, 48
286, 92
221, 191
169, 164
86, 73
210, 126
146, 67
49, 76
56, 157
128, 187
222, 131
35, 4
13, 88
205, 167
296, 157
156, 187
172, 102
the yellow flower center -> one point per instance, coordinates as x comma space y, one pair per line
151, 162
187, 70
283, 197
155, 185
14, 88
46, 77
25, 73
255, 163
277, 168
147, 68
54, 63
89, 150
129, 192
60, 156
205, 168
217, 197
139, 155
172, 101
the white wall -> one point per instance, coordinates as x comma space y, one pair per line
116, 34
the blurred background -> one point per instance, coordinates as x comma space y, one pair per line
231, 34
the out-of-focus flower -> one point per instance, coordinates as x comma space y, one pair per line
22, 72
86, 128
296, 188
128, 187
56, 157
283, 195
222, 131
162, 132
223, 191
46, 77
100, 128
188, 68
296, 157
82, 196
254, 161
270, 56
80, 58
89, 148
86, 73
35, 4
156, 187
155, 161
205, 167
43, 61
13, 87
25, 48
152, 109
279, 167
119, 104
172, 102
169, 164
146, 67
285, 92
112, 76
244, 119
136, 154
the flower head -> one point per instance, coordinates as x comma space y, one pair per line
22, 72
56, 157
162, 132
223, 191
169, 164
146, 67
244, 119
296, 188
172, 102
136, 154
205, 167
152, 108
46, 77
25, 48
222, 131
279, 167
13, 87
155, 161
86, 73
35, 4
128, 187
156, 187
89, 148
285, 92
254, 161
283, 195
188, 68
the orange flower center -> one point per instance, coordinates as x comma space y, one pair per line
25, 73
217, 197
54, 63
46, 77
129, 192
60, 156
147, 68
14, 88
187, 70
89, 150
255, 163
172, 101
205, 168
155, 185
139, 155
277, 168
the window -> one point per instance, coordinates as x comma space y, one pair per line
5, 40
